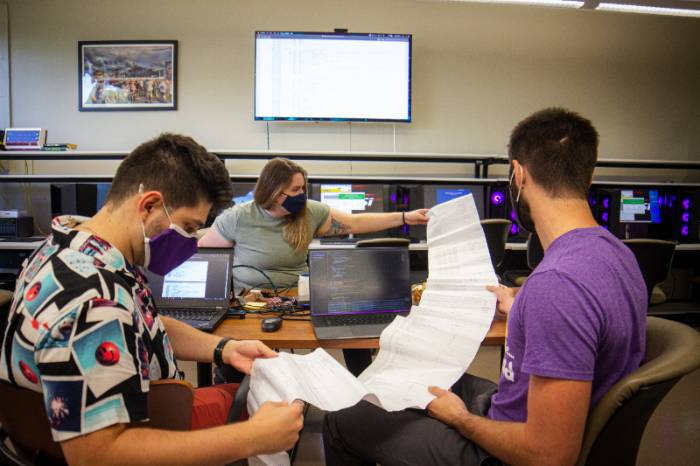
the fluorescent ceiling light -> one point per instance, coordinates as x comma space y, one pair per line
652, 7
554, 3
651, 10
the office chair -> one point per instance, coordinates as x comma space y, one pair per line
534, 254
615, 425
535, 251
654, 257
5, 299
496, 233
383, 243
23, 420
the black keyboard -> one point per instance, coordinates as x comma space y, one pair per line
339, 240
201, 315
361, 319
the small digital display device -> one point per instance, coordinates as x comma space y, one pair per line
24, 138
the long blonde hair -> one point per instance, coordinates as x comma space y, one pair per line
274, 179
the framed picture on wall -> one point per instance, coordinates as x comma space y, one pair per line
127, 75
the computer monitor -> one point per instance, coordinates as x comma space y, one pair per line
242, 192
428, 196
204, 279
359, 281
354, 198
437, 194
340, 76
639, 206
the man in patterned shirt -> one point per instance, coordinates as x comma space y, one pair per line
83, 328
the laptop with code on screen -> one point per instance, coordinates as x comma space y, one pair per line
357, 292
198, 291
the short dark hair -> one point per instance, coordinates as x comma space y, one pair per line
182, 170
559, 148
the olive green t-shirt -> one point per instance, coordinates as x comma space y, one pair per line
258, 239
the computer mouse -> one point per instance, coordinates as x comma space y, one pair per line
271, 324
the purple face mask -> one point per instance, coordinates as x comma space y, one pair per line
169, 249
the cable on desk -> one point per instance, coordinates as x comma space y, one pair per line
287, 310
262, 272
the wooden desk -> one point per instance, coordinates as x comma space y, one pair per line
300, 335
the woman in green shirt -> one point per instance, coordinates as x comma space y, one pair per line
273, 232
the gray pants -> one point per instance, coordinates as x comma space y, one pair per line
364, 435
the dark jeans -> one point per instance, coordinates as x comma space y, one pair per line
364, 434
357, 360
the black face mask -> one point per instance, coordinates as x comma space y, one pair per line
521, 208
295, 204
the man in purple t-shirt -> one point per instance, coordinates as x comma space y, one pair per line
574, 329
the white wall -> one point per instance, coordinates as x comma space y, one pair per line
4, 68
478, 69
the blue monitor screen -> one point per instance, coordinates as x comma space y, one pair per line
22, 137
245, 198
447, 194
243, 192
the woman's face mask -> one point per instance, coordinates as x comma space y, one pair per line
295, 204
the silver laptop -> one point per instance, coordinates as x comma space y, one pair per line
198, 291
356, 293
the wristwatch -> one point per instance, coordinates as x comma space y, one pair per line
219, 350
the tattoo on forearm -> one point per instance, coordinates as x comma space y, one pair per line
338, 228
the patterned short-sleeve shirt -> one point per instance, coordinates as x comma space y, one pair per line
84, 331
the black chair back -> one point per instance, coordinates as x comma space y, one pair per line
383, 243
496, 233
535, 252
5, 305
654, 258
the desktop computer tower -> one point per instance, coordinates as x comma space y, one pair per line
688, 214
498, 206
603, 211
83, 199
406, 198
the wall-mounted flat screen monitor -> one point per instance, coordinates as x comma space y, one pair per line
318, 76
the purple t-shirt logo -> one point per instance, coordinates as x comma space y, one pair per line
507, 366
